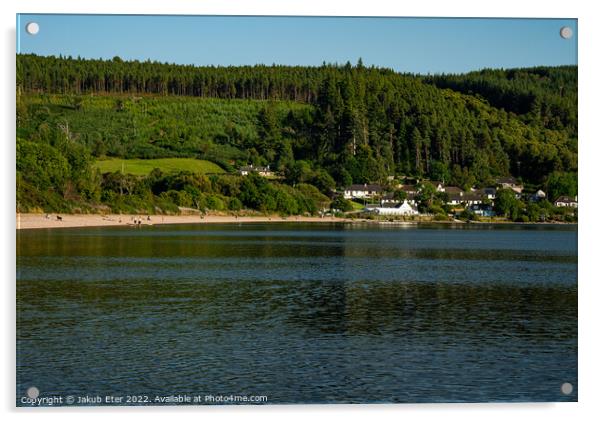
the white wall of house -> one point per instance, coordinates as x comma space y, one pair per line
565, 204
357, 194
404, 209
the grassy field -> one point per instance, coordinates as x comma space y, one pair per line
145, 166
357, 206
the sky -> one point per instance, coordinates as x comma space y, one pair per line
415, 45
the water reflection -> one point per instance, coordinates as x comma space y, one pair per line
356, 315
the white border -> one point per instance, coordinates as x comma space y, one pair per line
589, 232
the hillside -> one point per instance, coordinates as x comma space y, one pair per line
328, 125
545, 96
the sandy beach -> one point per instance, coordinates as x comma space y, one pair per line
34, 220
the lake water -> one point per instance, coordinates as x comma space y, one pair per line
299, 313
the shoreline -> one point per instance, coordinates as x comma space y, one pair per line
26, 221
40, 221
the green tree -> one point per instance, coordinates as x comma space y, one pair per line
426, 196
506, 204
400, 195
341, 204
561, 184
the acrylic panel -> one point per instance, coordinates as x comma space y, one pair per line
295, 210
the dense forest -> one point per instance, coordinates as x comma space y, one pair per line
323, 126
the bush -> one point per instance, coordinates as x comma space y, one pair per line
341, 204
215, 202
234, 204
436, 210
467, 215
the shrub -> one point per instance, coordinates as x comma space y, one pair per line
341, 204
215, 202
234, 204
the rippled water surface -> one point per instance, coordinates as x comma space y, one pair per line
300, 313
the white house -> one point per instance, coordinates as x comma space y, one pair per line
472, 199
488, 192
510, 183
362, 191
411, 192
566, 202
438, 185
263, 171
454, 199
403, 209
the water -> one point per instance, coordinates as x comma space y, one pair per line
299, 313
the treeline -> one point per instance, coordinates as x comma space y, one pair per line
351, 123
80, 76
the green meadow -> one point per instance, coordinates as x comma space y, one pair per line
166, 165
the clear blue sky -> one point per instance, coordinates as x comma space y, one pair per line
417, 45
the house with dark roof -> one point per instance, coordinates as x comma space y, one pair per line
509, 183
486, 192
472, 199
453, 190
409, 188
454, 199
390, 197
464, 198
566, 202
438, 185
362, 191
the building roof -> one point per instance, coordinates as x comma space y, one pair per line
565, 199
364, 187
486, 190
453, 190
391, 195
408, 188
506, 180
472, 197
389, 205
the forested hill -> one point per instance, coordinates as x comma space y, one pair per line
359, 124
541, 95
